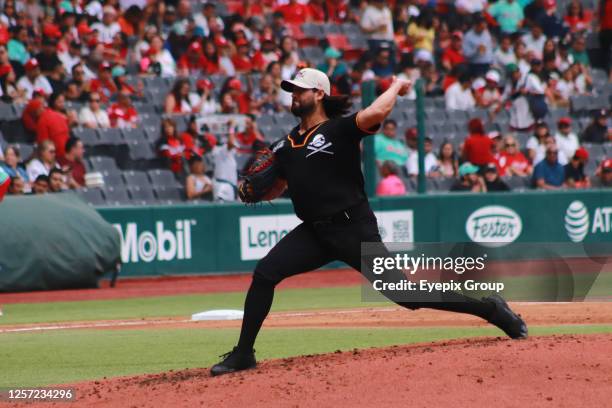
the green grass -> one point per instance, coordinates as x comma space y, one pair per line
184, 305
37, 359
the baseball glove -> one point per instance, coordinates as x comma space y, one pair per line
262, 181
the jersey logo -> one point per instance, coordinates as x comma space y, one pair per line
278, 146
318, 145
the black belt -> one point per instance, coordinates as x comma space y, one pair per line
342, 216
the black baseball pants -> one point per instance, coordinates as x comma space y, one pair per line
312, 245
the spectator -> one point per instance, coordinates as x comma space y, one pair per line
198, 185
577, 18
390, 184
578, 50
535, 89
421, 31
72, 164
516, 95
47, 57
204, 97
108, 27
208, 20
448, 163
242, 99
478, 47
54, 123
8, 86
178, 101
195, 143
453, 55
564, 88
193, 61
56, 181
597, 131
377, 23
122, 114
17, 46
459, 96
582, 79
104, 84
540, 142
551, 23
294, 12
170, 145
382, 65
534, 41
431, 161
508, 14
77, 89
70, 57
566, 140
469, 180
32, 112
489, 97
12, 164
267, 53
574, 170
92, 115
33, 80
387, 147
477, 147
504, 54
549, 174
249, 141
333, 67
225, 168
41, 184
44, 160
411, 138
511, 161
492, 180
17, 186
498, 144
158, 60
604, 178
266, 97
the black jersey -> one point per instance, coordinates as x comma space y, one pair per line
323, 167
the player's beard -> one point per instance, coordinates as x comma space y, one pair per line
303, 109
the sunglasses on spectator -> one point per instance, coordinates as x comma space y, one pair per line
510, 144
94, 100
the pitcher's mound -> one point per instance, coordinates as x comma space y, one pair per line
557, 371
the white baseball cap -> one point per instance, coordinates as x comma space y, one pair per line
308, 78
492, 76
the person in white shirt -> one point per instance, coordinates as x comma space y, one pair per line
109, 27
33, 80
567, 141
226, 169
71, 56
431, 161
470, 6
208, 14
157, 53
92, 115
459, 96
504, 54
540, 151
197, 185
43, 162
534, 41
377, 21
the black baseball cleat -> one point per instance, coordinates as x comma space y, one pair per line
504, 318
235, 360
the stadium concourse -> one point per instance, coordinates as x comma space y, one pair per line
159, 102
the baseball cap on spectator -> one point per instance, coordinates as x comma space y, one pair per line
423, 55
493, 76
84, 29
479, 83
5, 69
490, 167
475, 126
51, 31
235, 83
494, 134
550, 4
204, 84
581, 153
241, 42
467, 168
478, 18
195, 47
221, 42
308, 78
411, 133
384, 84
510, 68
601, 113
535, 61
457, 34
31, 64
267, 37
564, 121
331, 52
606, 165
39, 92
117, 71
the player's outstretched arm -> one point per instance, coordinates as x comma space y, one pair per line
382, 106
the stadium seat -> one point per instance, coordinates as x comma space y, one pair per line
6, 112
579, 103
445, 183
88, 136
163, 177
112, 179
266, 120
14, 132
137, 134
92, 196
516, 182
26, 150
338, 41
103, 163
142, 195
312, 30
116, 195
111, 142
168, 194
136, 178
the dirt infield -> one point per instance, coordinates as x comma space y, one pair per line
557, 371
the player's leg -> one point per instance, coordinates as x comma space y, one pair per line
493, 309
297, 252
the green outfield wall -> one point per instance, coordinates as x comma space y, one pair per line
213, 238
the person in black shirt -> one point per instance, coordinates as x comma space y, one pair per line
597, 131
574, 170
47, 57
492, 180
320, 160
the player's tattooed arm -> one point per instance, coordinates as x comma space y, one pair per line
382, 106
